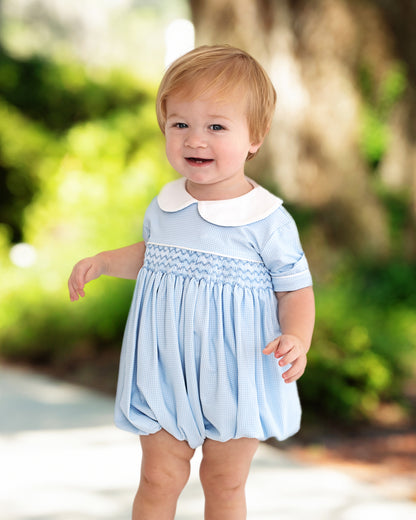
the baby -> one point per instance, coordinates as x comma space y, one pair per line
223, 310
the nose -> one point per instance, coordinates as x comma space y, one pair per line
195, 139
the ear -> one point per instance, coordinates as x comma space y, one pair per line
254, 147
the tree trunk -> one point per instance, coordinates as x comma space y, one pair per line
314, 52
1, 24
398, 170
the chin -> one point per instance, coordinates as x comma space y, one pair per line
199, 179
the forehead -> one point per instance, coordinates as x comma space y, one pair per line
227, 97
233, 108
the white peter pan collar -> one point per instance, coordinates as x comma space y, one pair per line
255, 205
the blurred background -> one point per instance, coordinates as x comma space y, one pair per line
81, 157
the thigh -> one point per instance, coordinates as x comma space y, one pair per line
163, 453
232, 458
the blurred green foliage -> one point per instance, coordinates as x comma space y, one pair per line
58, 96
379, 98
40, 101
81, 157
72, 184
365, 340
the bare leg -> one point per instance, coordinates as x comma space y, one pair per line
224, 471
164, 473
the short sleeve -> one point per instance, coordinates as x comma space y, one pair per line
146, 231
146, 225
285, 259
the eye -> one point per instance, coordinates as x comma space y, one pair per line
216, 127
180, 125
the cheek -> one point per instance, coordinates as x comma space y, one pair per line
170, 148
236, 153
170, 156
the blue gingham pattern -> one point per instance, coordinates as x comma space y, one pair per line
203, 309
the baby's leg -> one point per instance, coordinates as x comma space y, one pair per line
164, 473
224, 471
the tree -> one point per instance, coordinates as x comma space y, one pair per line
1, 23
399, 167
345, 115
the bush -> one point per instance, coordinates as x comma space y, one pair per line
91, 183
364, 342
41, 104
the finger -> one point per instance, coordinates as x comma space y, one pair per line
75, 293
285, 350
82, 273
272, 346
76, 284
81, 292
285, 346
79, 289
292, 378
72, 293
289, 358
295, 372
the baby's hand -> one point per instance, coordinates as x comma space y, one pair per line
291, 350
83, 272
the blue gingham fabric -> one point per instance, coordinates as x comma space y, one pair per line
203, 309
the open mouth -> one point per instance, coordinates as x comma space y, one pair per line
198, 160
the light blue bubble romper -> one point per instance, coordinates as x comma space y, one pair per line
203, 309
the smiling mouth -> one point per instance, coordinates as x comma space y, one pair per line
198, 160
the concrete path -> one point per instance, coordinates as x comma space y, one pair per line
61, 458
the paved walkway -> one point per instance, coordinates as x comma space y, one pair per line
61, 458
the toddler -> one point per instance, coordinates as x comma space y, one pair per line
223, 310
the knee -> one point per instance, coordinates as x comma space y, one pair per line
223, 484
162, 481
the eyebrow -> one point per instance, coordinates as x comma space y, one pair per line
174, 115
218, 116
211, 116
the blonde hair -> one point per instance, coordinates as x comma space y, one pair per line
223, 69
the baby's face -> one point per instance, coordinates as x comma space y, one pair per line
207, 141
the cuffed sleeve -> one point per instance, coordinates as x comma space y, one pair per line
285, 259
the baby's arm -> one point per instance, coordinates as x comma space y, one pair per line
121, 263
296, 318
